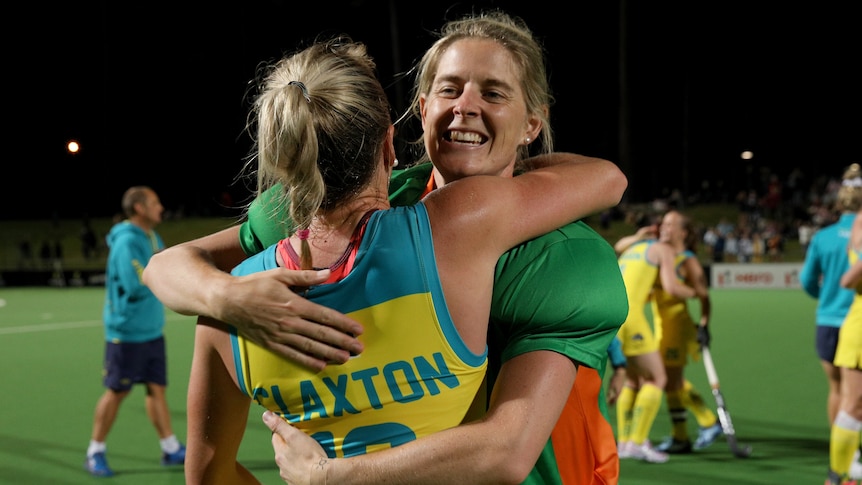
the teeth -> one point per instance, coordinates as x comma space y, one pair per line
465, 137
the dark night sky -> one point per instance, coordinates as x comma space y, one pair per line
155, 91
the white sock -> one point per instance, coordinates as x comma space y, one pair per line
848, 422
95, 447
170, 444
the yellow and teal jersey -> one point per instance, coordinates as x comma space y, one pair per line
672, 322
639, 276
579, 319
848, 354
416, 376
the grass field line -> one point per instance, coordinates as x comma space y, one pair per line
47, 327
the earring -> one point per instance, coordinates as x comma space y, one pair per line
395, 163
528, 140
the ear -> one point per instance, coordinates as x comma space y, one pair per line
534, 127
389, 157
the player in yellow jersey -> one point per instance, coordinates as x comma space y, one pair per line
682, 339
643, 265
846, 432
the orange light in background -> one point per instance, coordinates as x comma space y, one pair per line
73, 146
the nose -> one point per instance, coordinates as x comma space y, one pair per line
467, 104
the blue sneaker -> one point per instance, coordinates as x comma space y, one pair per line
176, 458
97, 465
707, 436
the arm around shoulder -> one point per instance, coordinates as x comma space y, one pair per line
191, 278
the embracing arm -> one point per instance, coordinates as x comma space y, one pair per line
191, 278
606, 185
491, 213
666, 258
176, 274
646, 232
501, 448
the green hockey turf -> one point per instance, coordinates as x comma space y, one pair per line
52, 345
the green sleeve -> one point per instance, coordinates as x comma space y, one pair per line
407, 186
562, 292
266, 222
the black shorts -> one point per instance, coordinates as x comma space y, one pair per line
826, 342
127, 364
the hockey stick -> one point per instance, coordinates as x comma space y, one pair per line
723, 415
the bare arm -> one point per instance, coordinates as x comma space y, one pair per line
499, 213
665, 256
615, 385
696, 278
501, 448
551, 159
191, 278
605, 185
215, 405
646, 232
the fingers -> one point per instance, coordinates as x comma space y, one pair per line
318, 339
275, 424
266, 311
308, 353
312, 311
304, 277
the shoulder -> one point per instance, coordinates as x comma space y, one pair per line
562, 256
261, 261
692, 263
662, 250
561, 240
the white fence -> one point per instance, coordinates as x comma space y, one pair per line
756, 275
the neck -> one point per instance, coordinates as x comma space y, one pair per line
331, 231
344, 219
141, 222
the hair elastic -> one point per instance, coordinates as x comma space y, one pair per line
302, 88
854, 182
302, 234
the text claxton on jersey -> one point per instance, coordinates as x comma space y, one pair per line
373, 381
